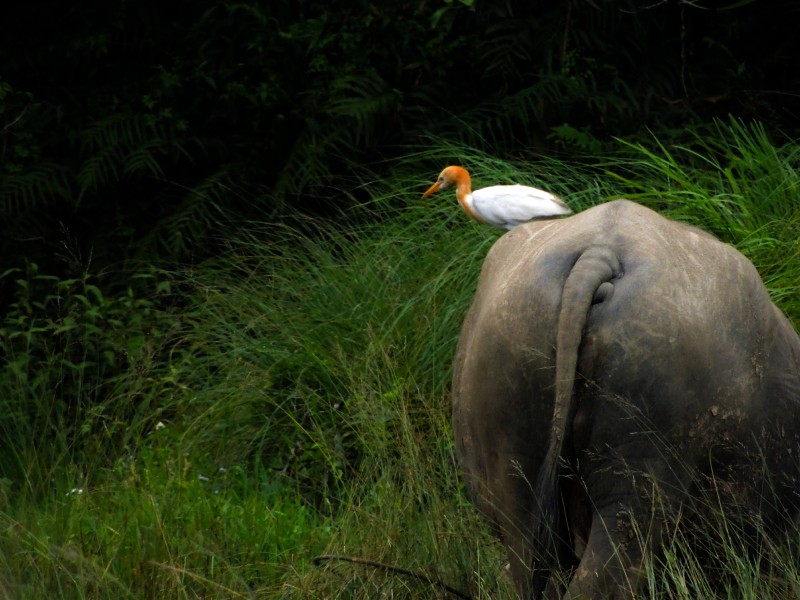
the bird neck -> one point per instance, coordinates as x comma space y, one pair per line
463, 187
462, 180
464, 192
464, 195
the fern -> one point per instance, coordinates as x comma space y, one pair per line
196, 217
355, 110
124, 144
34, 189
293, 105
362, 102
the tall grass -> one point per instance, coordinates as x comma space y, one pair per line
733, 181
208, 431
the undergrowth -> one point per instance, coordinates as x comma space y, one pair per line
207, 431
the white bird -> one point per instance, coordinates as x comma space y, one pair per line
504, 206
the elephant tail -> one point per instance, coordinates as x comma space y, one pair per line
589, 282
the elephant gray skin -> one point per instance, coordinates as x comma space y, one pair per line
610, 359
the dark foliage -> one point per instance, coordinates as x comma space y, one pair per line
134, 128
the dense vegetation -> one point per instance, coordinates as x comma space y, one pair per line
289, 397
130, 130
228, 320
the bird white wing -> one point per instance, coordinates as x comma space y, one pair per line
511, 205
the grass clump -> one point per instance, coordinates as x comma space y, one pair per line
208, 431
734, 182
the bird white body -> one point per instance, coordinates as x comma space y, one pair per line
503, 206
511, 205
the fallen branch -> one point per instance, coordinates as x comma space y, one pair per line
391, 569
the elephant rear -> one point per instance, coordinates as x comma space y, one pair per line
595, 345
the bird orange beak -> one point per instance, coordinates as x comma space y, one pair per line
432, 190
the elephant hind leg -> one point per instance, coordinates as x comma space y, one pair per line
611, 565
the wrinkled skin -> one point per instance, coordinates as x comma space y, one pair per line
608, 359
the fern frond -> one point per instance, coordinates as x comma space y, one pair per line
99, 169
307, 164
144, 159
355, 108
33, 190
124, 144
363, 100
505, 46
195, 216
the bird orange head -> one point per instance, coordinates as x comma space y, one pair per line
449, 176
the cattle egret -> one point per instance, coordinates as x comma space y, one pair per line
503, 206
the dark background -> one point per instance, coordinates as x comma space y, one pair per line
132, 130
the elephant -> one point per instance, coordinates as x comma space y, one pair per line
611, 362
